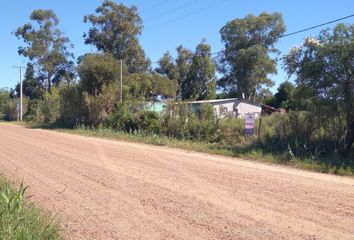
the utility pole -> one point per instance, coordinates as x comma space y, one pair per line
121, 80
21, 91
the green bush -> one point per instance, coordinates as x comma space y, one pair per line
4, 98
121, 119
147, 121
100, 106
31, 114
48, 109
182, 122
132, 117
9, 109
175, 120
72, 110
231, 131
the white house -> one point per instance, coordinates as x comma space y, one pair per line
234, 106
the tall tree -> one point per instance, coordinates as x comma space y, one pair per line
326, 66
246, 62
115, 30
46, 47
200, 80
183, 64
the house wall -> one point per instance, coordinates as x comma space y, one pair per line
236, 107
224, 108
244, 108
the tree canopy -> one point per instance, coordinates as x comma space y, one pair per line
149, 86
246, 62
115, 30
167, 67
46, 47
283, 97
176, 69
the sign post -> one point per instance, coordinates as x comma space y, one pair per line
249, 124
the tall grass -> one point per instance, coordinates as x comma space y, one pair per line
20, 220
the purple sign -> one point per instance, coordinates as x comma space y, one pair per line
249, 123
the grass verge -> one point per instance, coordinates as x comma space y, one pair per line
20, 220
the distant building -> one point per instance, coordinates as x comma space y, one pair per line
231, 106
235, 107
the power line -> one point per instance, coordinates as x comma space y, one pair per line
171, 11
288, 34
313, 27
303, 30
154, 6
189, 14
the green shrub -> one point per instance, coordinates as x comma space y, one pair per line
180, 121
131, 117
72, 110
31, 114
4, 98
147, 121
121, 119
231, 131
176, 120
100, 106
9, 109
48, 109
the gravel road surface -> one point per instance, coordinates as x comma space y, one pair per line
100, 189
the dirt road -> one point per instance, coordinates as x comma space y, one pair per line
103, 189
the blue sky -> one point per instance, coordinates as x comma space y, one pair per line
167, 24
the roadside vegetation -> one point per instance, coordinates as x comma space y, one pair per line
20, 220
316, 130
232, 146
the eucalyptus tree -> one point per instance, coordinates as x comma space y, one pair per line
246, 61
115, 30
46, 47
200, 80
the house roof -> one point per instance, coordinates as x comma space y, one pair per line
269, 109
214, 101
